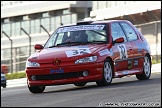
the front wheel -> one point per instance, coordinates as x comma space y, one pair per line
36, 89
146, 69
107, 74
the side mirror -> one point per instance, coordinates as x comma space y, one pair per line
118, 40
38, 46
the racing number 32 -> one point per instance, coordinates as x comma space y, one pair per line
122, 51
77, 52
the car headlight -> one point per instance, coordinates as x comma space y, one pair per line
32, 64
86, 59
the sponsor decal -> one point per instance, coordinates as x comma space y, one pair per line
81, 27
76, 52
125, 72
129, 64
135, 62
52, 71
106, 52
116, 74
123, 51
111, 52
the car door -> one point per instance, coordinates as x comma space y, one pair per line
122, 51
136, 44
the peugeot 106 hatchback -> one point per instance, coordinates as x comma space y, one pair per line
89, 51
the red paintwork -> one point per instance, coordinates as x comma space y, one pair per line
46, 57
119, 40
95, 74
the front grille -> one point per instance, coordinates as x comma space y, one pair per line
59, 76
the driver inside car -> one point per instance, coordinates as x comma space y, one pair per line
76, 36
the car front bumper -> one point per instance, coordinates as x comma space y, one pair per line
3, 83
64, 75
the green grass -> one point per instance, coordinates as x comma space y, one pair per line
15, 75
154, 61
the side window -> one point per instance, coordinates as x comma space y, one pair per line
131, 34
116, 31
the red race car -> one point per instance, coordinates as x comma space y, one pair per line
89, 51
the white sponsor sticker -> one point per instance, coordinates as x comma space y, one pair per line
81, 27
125, 72
104, 52
116, 74
111, 52
76, 52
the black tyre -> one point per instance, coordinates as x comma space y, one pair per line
80, 84
36, 89
107, 74
146, 69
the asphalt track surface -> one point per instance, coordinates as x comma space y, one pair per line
126, 91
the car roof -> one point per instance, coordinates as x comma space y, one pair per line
108, 21
93, 22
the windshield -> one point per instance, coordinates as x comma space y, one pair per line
80, 34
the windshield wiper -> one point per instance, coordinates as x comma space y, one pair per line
66, 43
94, 41
70, 43
77, 43
52, 46
98, 33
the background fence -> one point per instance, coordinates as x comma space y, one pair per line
151, 31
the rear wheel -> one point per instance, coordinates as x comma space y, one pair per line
80, 84
107, 74
36, 89
146, 69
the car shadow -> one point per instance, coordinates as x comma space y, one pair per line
113, 85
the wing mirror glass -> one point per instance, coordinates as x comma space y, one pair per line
38, 46
118, 40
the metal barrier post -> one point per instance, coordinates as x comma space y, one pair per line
11, 68
45, 30
156, 34
29, 40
